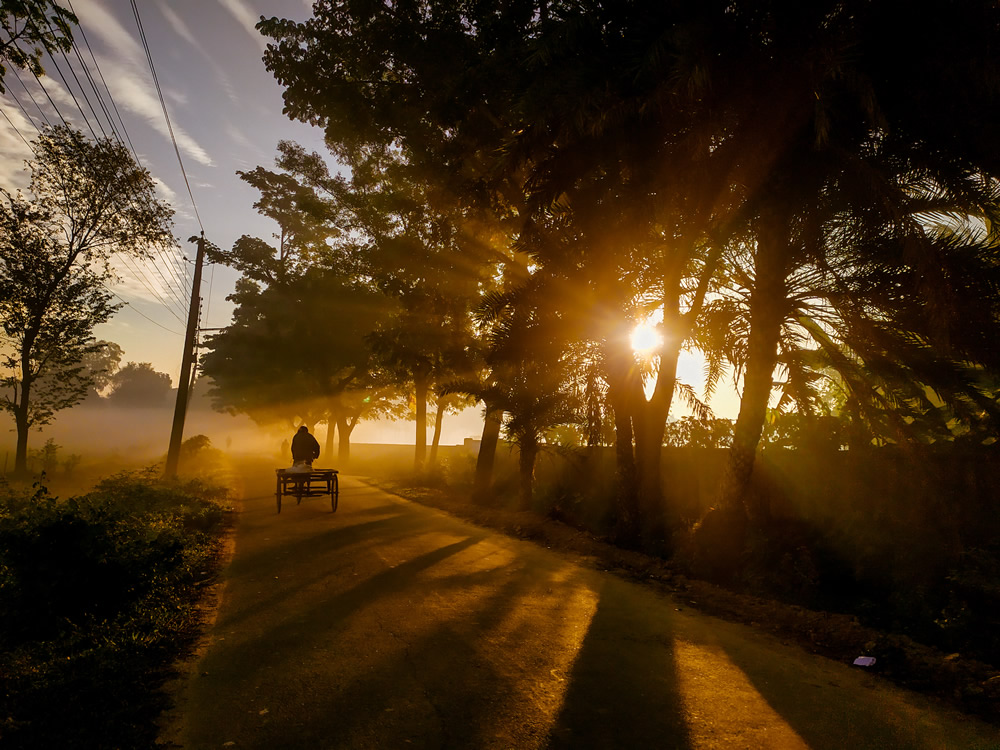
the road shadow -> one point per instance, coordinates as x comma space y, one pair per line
832, 706
622, 693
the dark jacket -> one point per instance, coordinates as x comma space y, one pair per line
304, 447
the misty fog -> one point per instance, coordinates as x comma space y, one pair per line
140, 434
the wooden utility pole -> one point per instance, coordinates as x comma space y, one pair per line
184, 381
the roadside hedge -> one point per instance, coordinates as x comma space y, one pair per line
97, 602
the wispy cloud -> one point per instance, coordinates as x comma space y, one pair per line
239, 10
177, 24
184, 32
176, 95
131, 89
237, 136
168, 193
133, 92
13, 151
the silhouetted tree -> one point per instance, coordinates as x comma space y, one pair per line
89, 200
138, 384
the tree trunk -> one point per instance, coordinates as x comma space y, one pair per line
331, 427
621, 387
649, 443
344, 430
768, 304
527, 452
420, 383
22, 424
487, 453
21, 451
438, 419
626, 529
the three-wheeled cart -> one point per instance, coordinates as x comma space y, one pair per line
300, 484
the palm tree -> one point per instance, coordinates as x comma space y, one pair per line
818, 136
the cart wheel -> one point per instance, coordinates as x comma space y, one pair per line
334, 495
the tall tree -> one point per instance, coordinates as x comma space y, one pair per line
820, 134
410, 102
311, 297
521, 108
89, 200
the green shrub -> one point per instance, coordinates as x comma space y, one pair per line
97, 595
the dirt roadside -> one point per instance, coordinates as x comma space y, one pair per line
971, 686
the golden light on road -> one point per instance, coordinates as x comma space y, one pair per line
645, 338
738, 716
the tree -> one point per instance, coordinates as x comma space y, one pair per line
521, 111
89, 201
31, 27
312, 298
102, 364
835, 167
138, 384
418, 127
650, 153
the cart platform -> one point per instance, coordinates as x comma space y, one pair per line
300, 484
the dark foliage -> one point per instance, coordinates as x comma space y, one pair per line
96, 600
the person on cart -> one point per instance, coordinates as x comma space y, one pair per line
305, 449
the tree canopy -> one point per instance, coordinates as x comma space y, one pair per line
31, 28
88, 200
764, 178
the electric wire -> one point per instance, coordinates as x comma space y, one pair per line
136, 310
7, 117
26, 117
111, 98
145, 281
169, 289
79, 85
31, 96
175, 292
49, 97
166, 286
163, 105
72, 95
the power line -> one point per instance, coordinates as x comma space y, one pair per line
178, 291
104, 81
134, 309
7, 117
47, 96
70, 90
31, 96
174, 292
163, 105
26, 117
146, 282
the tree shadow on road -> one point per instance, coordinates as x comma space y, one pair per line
831, 706
622, 695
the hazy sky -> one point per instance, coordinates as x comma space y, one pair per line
225, 111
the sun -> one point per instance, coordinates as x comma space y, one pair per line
645, 338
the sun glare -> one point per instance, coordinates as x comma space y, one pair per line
645, 338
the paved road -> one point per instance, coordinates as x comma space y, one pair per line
391, 625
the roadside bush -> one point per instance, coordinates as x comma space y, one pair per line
97, 596
970, 617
